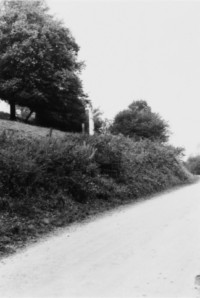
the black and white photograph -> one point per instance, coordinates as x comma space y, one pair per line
99, 148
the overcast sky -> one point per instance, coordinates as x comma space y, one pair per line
141, 50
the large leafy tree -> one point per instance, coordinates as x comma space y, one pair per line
139, 122
39, 68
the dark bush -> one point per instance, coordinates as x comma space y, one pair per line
144, 166
44, 172
193, 164
4, 115
48, 183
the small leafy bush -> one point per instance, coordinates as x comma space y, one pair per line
193, 164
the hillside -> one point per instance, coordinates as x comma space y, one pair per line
50, 181
26, 130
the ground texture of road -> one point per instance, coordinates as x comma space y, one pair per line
150, 249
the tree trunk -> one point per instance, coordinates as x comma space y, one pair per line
12, 111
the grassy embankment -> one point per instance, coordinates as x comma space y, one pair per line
52, 181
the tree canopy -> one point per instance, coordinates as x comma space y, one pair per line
39, 68
138, 121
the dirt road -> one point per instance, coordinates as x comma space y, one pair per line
151, 249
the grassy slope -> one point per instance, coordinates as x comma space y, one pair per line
27, 130
17, 231
9, 222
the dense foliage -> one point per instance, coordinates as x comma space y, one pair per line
139, 122
86, 168
98, 120
4, 115
50, 182
193, 164
38, 64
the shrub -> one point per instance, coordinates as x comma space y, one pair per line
29, 167
47, 183
44, 172
193, 164
143, 166
4, 115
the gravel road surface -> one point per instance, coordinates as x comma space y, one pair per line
148, 249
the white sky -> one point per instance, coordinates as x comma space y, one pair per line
141, 50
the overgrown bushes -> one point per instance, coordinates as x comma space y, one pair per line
4, 115
193, 164
85, 168
49, 182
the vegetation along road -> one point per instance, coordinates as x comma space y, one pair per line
150, 249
